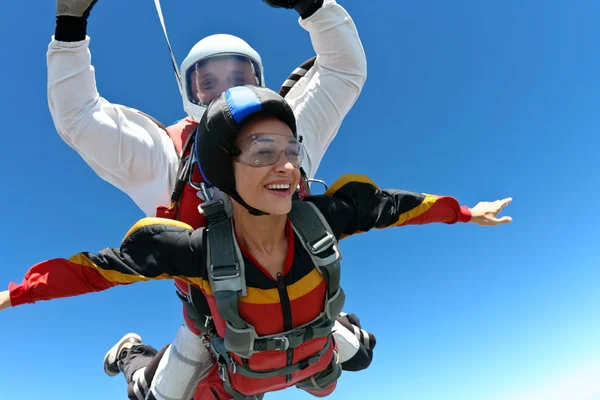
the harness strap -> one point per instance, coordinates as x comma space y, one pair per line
186, 166
318, 239
228, 365
318, 328
227, 278
202, 319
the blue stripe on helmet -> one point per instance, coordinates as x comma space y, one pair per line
242, 102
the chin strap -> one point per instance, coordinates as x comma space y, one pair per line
254, 211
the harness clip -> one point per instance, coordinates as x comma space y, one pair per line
214, 211
223, 372
224, 272
212, 207
323, 244
233, 366
282, 343
205, 193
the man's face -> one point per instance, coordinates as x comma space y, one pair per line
214, 76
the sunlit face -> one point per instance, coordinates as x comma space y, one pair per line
268, 188
214, 76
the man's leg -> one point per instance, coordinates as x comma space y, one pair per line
137, 361
355, 345
171, 373
185, 363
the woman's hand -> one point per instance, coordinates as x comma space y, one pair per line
485, 213
5, 300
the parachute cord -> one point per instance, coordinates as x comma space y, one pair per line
173, 61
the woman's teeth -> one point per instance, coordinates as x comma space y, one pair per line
278, 186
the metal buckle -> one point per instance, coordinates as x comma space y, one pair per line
211, 331
191, 161
282, 343
222, 372
323, 244
224, 272
232, 365
205, 193
212, 207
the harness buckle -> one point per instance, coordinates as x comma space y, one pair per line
322, 244
224, 272
212, 207
282, 343
205, 193
214, 211
222, 372
232, 365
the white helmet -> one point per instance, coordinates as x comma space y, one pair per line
209, 47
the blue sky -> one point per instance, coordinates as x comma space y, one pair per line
475, 100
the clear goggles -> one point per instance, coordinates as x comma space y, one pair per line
211, 76
263, 149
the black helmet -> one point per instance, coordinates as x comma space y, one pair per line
220, 125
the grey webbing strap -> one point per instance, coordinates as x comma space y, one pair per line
240, 396
226, 264
311, 228
227, 279
224, 375
317, 237
333, 277
307, 362
309, 224
223, 358
318, 328
324, 379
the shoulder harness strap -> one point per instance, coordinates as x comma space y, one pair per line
320, 242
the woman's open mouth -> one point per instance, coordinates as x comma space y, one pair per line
279, 189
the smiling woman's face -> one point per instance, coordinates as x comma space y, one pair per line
269, 188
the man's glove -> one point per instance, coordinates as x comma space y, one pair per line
71, 19
305, 8
74, 8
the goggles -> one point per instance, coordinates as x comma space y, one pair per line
264, 149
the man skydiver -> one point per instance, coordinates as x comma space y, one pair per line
131, 151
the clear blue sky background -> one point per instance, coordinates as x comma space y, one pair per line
479, 100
